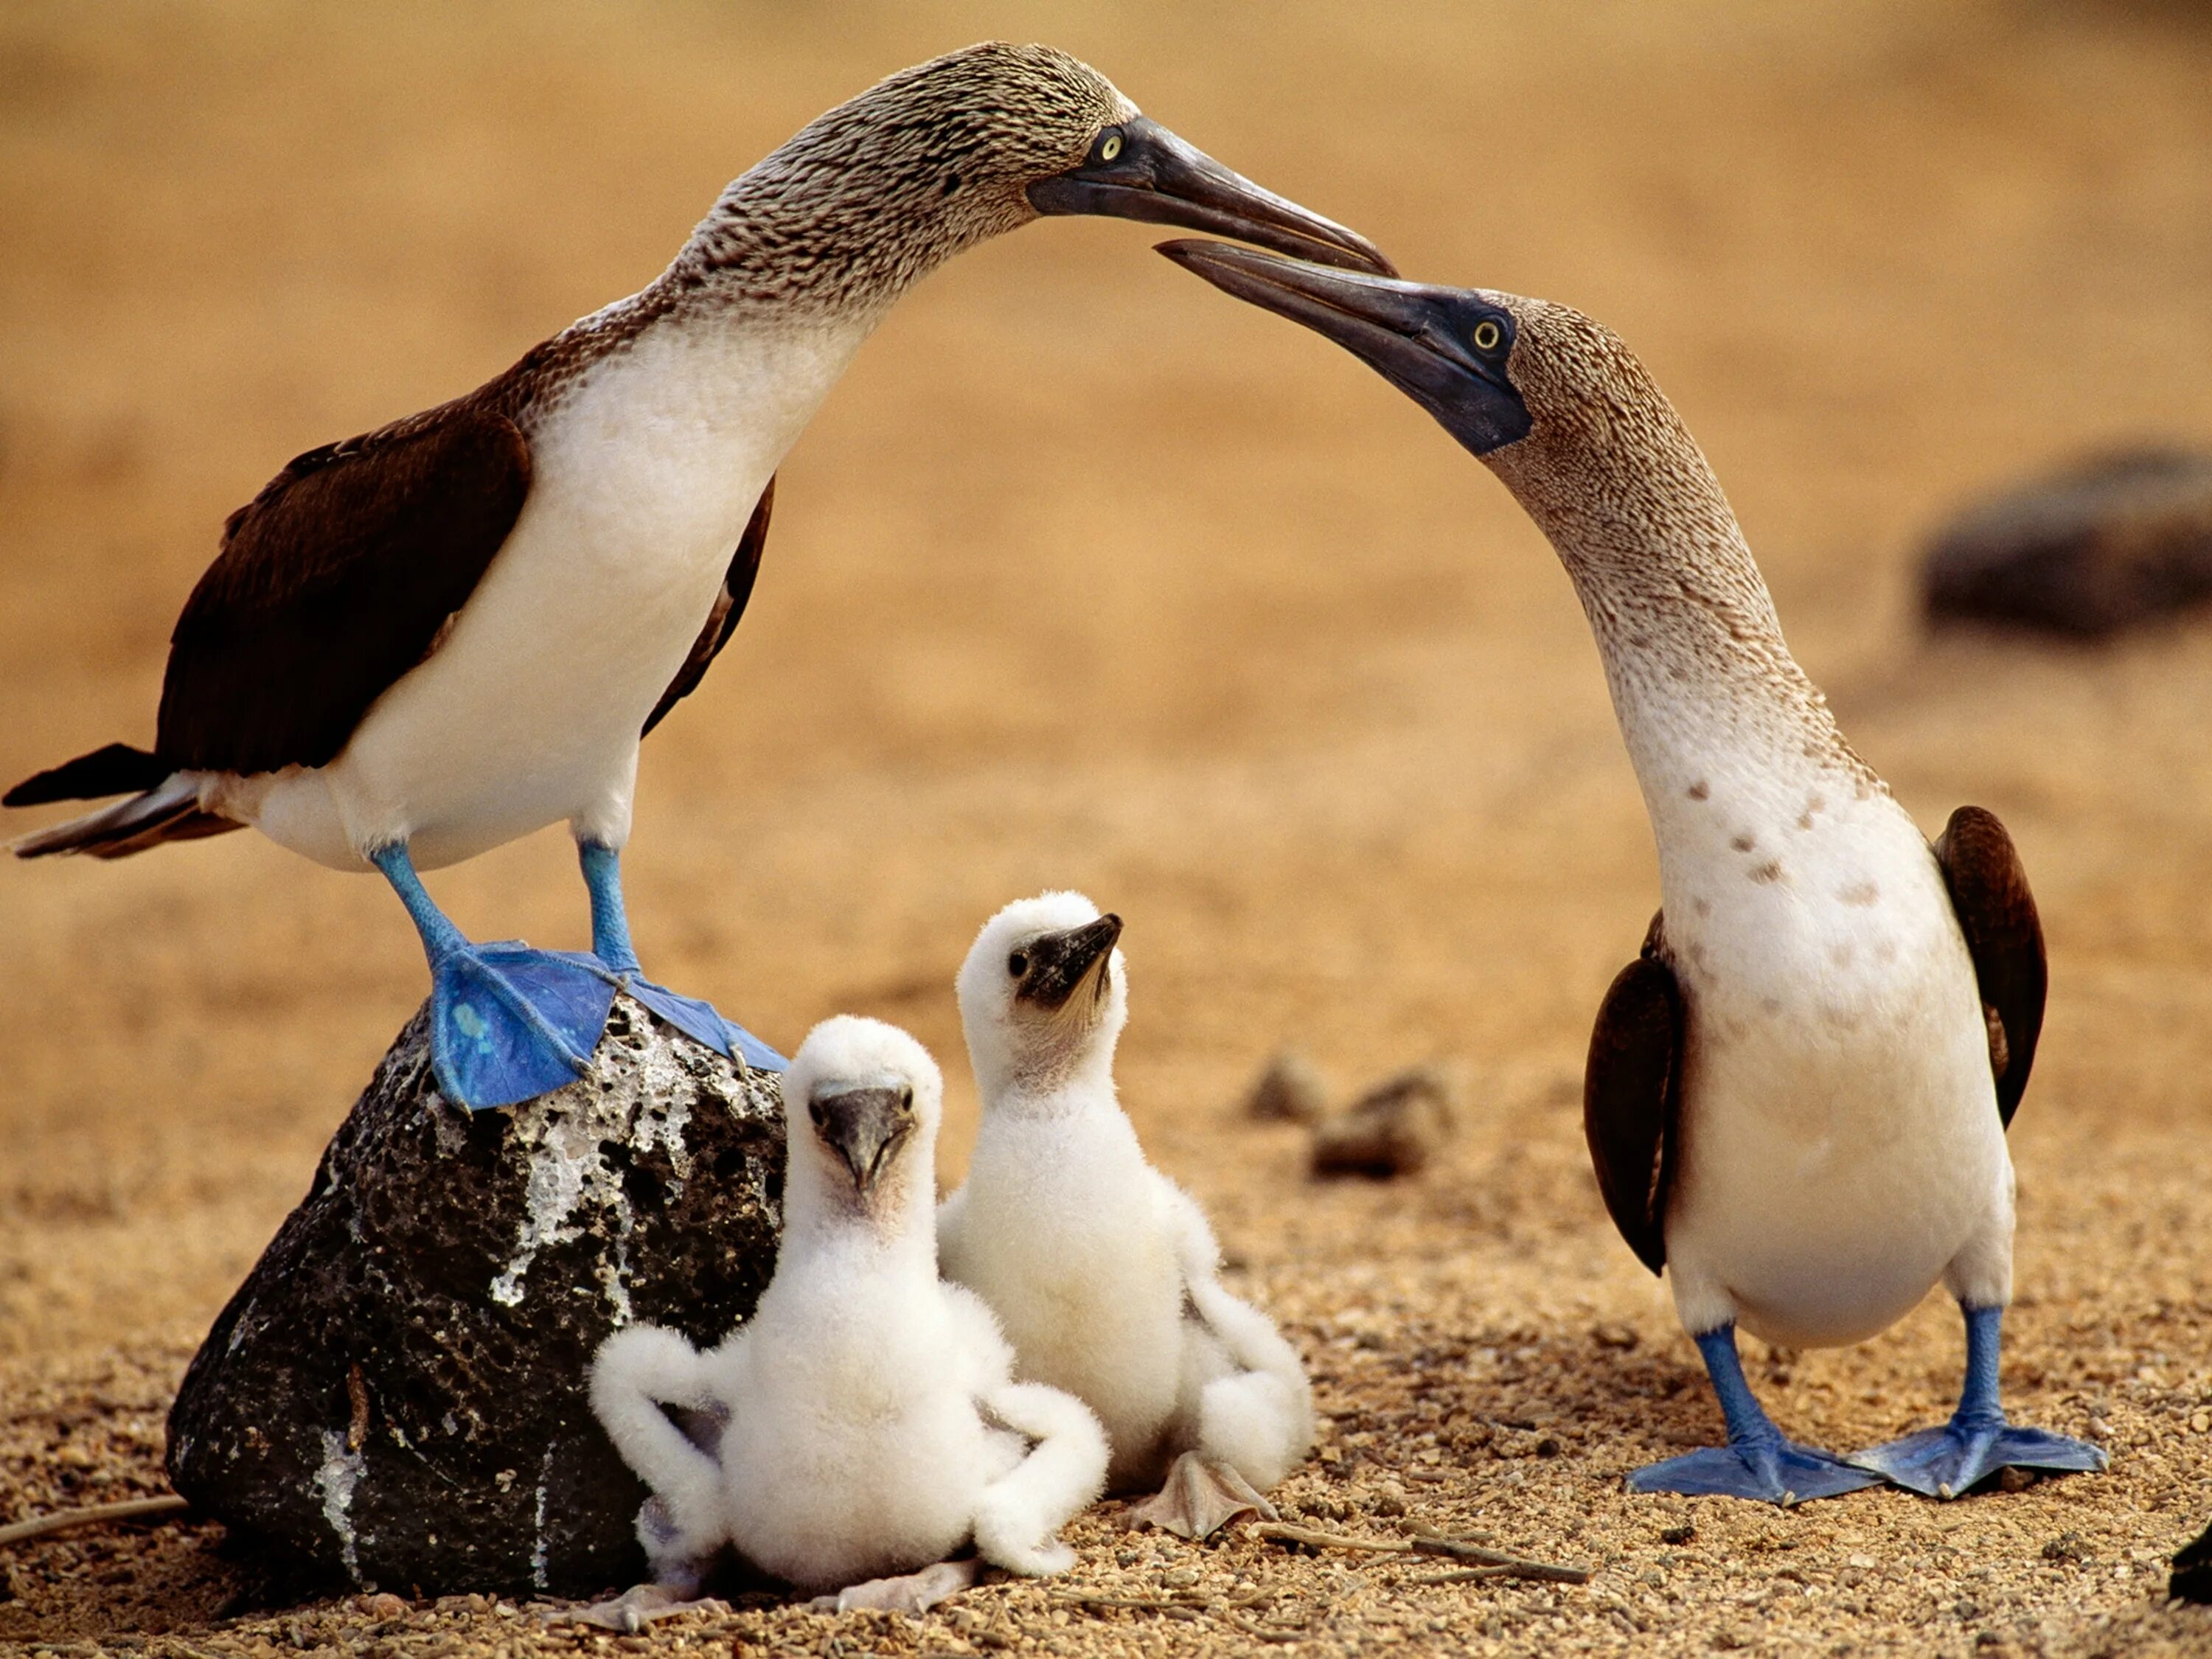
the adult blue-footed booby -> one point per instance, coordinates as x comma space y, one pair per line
1797, 1097
420, 643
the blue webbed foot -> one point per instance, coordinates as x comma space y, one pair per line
699, 1021
612, 949
1976, 1442
1777, 1472
1757, 1462
1950, 1461
508, 1024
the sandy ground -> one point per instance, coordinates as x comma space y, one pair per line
1086, 576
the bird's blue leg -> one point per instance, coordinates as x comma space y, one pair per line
1757, 1461
1978, 1442
611, 944
507, 1023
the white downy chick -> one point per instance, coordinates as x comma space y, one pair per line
869, 1422
1102, 1271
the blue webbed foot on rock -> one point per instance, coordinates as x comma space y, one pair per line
1777, 1472
611, 945
1978, 1442
1757, 1462
699, 1021
508, 1024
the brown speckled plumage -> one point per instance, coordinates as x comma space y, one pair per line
1614, 478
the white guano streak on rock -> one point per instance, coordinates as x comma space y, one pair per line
537, 1541
650, 1106
340, 1473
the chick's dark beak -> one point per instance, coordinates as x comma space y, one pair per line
1059, 963
1155, 177
1413, 334
864, 1128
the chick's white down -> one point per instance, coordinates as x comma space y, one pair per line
1102, 1271
872, 1425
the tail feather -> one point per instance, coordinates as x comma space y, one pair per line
170, 810
117, 770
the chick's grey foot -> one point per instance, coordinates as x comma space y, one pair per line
1952, 1460
913, 1592
638, 1606
1773, 1471
1201, 1495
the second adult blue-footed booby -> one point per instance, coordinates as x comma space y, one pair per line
424, 641
1796, 1096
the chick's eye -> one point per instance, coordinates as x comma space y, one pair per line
1018, 963
1109, 146
1486, 335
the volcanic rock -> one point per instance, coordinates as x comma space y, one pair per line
395, 1397
2115, 542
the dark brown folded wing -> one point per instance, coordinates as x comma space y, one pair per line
722, 620
1631, 1087
332, 583
2004, 936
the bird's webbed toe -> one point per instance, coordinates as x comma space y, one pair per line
911, 1592
1952, 1460
1200, 1496
1770, 1471
509, 1024
699, 1020
637, 1607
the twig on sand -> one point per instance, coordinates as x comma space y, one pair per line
133, 1508
1427, 1542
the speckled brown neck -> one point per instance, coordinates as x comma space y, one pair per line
1693, 651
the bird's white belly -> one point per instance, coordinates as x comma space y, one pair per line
529, 711
1839, 1147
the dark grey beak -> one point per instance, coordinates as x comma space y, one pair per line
1154, 176
1059, 963
1425, 340
864, 1128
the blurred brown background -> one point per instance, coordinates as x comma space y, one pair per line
1086, 576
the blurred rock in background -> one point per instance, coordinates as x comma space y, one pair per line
2105, 545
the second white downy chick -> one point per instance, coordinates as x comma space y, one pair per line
1102, 1271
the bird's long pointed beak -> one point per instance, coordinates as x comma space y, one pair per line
1376, 316
1411, 333
1059, 963
864, 1127
1157, 178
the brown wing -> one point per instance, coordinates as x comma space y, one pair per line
332, 583
722, 620
2004, 936
1630, 1089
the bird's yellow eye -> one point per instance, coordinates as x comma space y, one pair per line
1110, 147
1486, 336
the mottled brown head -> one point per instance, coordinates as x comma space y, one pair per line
869, 197
1554, 403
